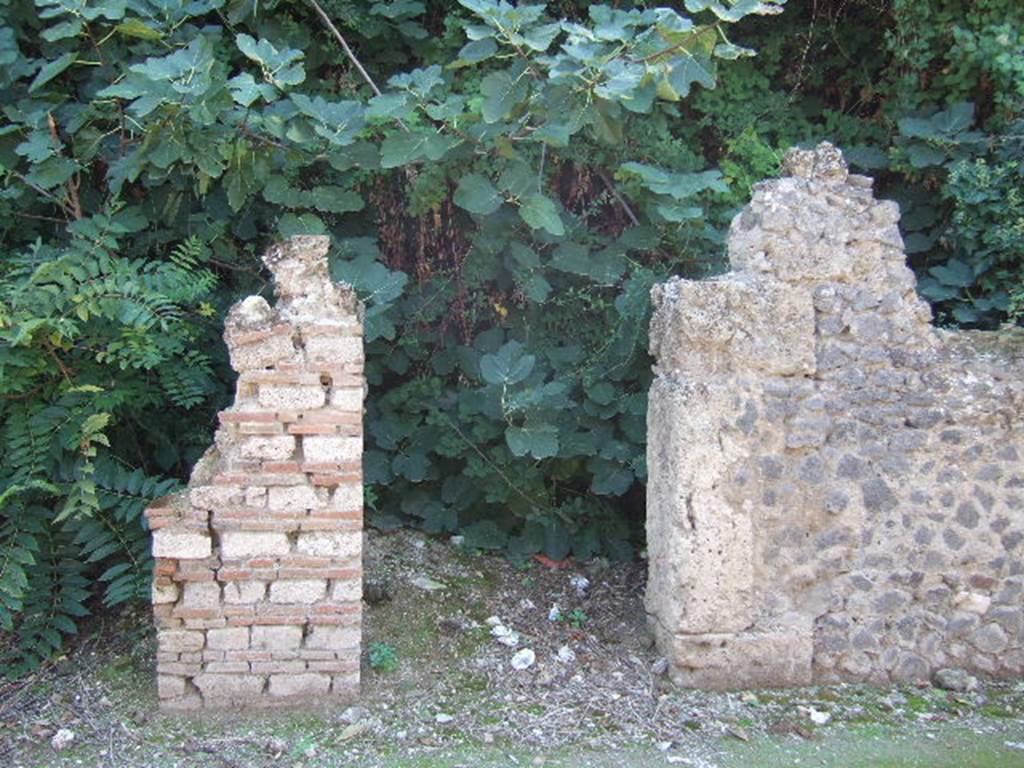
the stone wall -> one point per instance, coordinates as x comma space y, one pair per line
836, 488
258, 580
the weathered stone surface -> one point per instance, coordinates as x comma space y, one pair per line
820, 457
228, 638
276, 638
231, 688
740, 660
334, 544
330, 449
299, 591
259, 559
331, 638
181, 544
253, 544
306, 686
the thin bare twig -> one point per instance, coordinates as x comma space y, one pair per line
622, 201
72, 185
349, 52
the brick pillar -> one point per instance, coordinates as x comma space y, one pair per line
258, 580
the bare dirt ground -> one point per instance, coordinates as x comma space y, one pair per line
442, 633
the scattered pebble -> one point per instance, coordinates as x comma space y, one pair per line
428, 584
555, 613
62, 739
505, 635
523, 659
566, 655
354, 730
955, 680
457, 541
581, 584
660, 667
816, 716
441, 718
353, 715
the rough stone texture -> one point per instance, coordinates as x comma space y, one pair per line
836, 488
258, 580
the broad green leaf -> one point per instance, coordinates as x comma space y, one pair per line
338, 122
537, 440
518, 179
478, 50
539, 38
553, 134
281, 68
476, 194
502, 91
62, 31
138, 29
955, 273
687, 70
507, 366
540, 212
400, 149
389, 106
51, 69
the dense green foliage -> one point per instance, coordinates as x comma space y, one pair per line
503, 206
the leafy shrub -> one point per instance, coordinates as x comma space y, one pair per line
487, 205
383, 657
502, 205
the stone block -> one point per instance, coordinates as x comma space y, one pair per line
294, 685
347, 590
270, 448
212, 497
334, 350
743, 660
164, 592
298, 591
228, 639
242, 544
347, 496
262, 354
291, 397
347, 399
170, 686
276, 638
180, 640
338, 545
203, 595
330, 638
292, 498
237, 689
741, 322
181, 544
236, 592
326, 449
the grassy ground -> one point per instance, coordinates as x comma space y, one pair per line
452, 698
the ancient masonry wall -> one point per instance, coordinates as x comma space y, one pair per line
836, 488
258, 581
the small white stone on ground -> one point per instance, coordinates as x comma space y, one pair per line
443, 717
566, 655
555, 613
428, 584
62, 739
523, 659
581, 584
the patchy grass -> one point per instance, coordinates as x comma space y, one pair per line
605, 708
